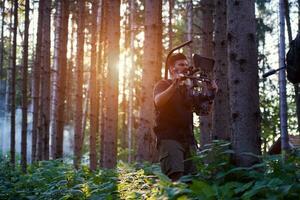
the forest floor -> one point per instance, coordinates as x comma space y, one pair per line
217, 179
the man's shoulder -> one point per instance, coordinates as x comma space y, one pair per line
163, 82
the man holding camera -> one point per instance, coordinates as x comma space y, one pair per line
174, 119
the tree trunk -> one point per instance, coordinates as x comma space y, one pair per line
131, 79
24, 91
45, 87
206, 50
59, 109
170, 27
79, 83
2, 39
101, 65
221, 112
282, 81
243, 76
111, 118
190, 28
94, 101
36, 83
150, 75
13, 87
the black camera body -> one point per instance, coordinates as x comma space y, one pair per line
199, 97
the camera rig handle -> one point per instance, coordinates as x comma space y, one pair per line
170, 53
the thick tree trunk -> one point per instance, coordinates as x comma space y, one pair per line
221, 112
243, 84
59, 109
150, 75
79, 83
111, 118
36, 83
206, 50
44, 119
24, 91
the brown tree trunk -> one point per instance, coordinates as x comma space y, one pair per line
94, 101
36, 83
221, 112
101, 65
243, 84
190, 28
206, 50
13, 87
111, 95
63, 16
170, 27
150, 75
24, 91
79, 82
44, 118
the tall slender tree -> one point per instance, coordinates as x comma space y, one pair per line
243, 76
61, 44
36, 83
221, 112
150, 75
24, 90
13, 87
44, 119
79, 82
111, 95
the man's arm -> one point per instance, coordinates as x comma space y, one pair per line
161, 98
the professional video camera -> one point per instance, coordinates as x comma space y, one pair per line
196, 81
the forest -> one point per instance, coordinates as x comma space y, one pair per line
78, 109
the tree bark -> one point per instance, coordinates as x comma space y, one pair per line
79, 83
13, 87
44, 118
24, 91
243, 84
94, 101
63, 16
150, 75
170, 27
221, 111
206, 50
190, 28
36, 83
111, 118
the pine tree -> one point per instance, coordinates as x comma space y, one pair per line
243, 84
61, 63
24, 91
111, 94
221, 112
79, 83
13, 87
150, 75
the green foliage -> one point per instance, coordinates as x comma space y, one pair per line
272, 178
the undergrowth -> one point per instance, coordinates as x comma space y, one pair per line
217, 179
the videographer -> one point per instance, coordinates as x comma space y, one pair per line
174, 119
